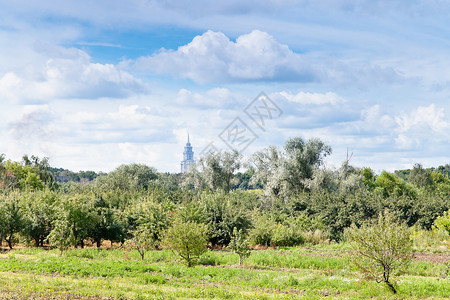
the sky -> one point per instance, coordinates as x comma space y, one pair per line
96, 84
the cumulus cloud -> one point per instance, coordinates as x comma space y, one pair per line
68, 74
424, 125
213, 57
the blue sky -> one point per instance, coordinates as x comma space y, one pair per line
96, 85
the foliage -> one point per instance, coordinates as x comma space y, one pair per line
215, 171
263, 229
12, 218
283, 172
239, 245
150, 222
128, 177
81, 216
142, 240
61, 235
187, 239
443, 222
390, 184
381, 249
224, 212
106, 226
39, 213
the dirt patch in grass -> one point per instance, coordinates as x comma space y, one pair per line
432, 257
56, 296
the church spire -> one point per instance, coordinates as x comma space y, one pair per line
188, 157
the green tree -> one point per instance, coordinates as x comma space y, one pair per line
420, 177
150, 219
128, 177
107, 225
443, 222
12, 219
223, 214
381, 249
142, 239
216, 171
285, 172
61, 234
18, 176
41, 168
39, 214
188, 240
80, 215
263, 229
368, 177
390, 184
239, 245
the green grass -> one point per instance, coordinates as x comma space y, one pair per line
291, 273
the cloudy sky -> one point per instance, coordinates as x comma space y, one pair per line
95, 84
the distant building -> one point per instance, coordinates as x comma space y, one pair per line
188, 157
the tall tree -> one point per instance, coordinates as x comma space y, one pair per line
215, 171
12, 219
128, 177
284, 171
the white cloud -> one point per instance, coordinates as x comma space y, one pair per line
215, 98
425, 126
212, 57
69, 73
33, 132
312, 98
376, 120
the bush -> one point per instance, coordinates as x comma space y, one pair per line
188, 240
443, 222
239, 245
315, 237
288, 235
61, 235
263, 230
381, 249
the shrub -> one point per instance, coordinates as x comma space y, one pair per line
142, 240
239, 245
443, 222
188, 240
381, 249
61, 235
263, 230
288, 235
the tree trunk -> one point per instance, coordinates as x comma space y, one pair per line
9, 240
386, 274
99, 243
391, 287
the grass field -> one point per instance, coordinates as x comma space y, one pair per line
304, 272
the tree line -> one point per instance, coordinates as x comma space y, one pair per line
284, 197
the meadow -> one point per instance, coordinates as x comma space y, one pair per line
306, 272
300, 221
